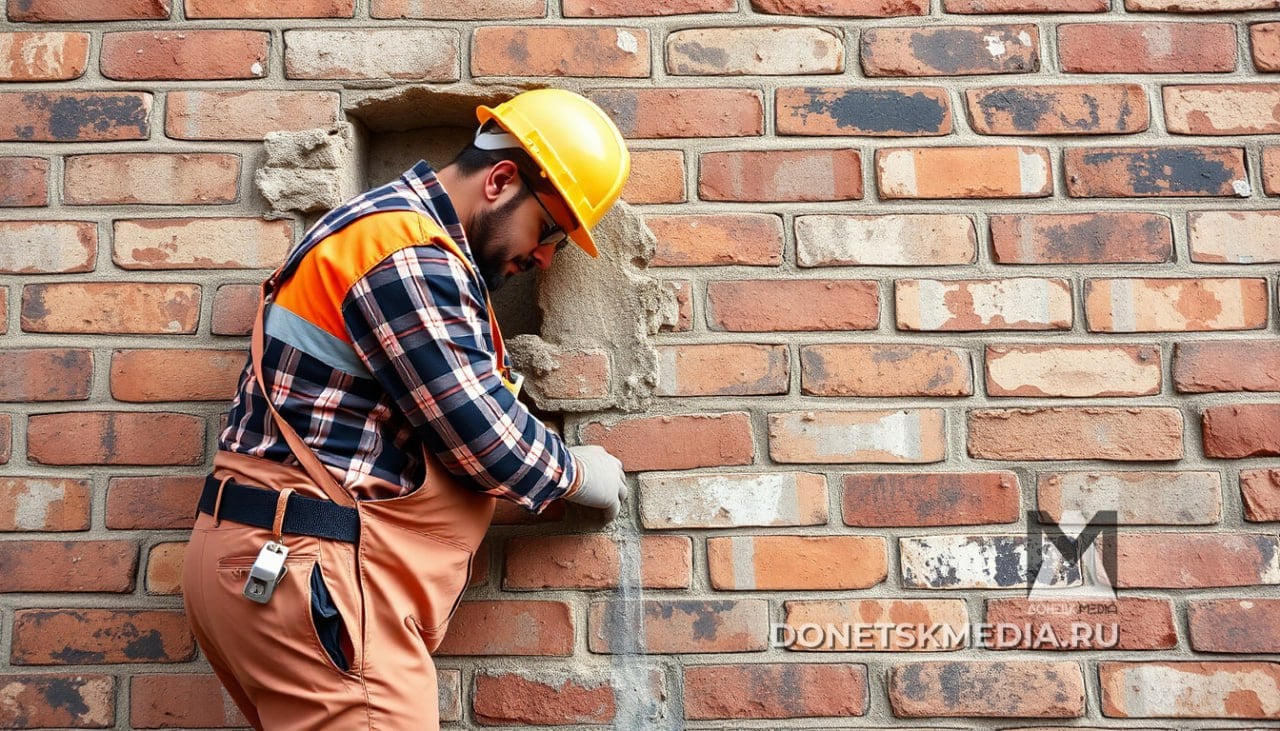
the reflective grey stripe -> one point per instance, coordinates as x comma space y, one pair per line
285, 325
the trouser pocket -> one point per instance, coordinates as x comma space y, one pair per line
330, 629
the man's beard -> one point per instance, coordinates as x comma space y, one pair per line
485, 232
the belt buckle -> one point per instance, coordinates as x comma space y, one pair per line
267, 571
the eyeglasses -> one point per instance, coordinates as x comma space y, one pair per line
551, 234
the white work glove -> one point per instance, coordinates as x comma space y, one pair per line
603, 483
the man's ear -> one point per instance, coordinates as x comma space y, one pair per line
502, 182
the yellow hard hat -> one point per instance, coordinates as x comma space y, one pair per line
578, 147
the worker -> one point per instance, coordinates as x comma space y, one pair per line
376, 424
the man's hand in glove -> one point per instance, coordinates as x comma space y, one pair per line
602, 485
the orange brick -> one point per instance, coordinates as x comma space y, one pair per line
842, 8
802, 563
890, 499
680, 290
856, 625
1196, 560
780, 175
905, 111
419, 54
508, 513
1000, 7
1017, 688
543, 699
234, 308
626, 8
1271, 169
885, 240
175, 375
44, 504
970, 50
1146, 48
767, 51
1234, 625
115, 438
1073, 371
43, 56
722, 369
1241, 430
675, 442
1222, 109
24, 182
48, 247
100, 636
482, 628
1234, 237
1127, 623
662, 113
764, 305
1086, 432
1175, 305
657, 176
1228, 365
1199, 6
575, 376
270, 8
152, 178
6, 437
598, 51
1081, 238
110, 308
188, 55
935, 305
164, 568
158, 700
964, 172
1265, 40
77, 10
75, 116
678, 626
47, 566
201, 243
51, 700
153, 503
775, 690
1155, 171
732, 500
907, 436
1189, 689
246, 115
1059, 110
459, 10
46, 374
752, 239
593, 561
884, 370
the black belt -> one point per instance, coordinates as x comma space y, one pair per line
303, 516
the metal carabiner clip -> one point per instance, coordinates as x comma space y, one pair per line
267, 571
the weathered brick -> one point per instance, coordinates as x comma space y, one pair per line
24, 182
907, 436
803, 563
1195, 560
481, 628
905, 239
1126, 623
77, 10
886, 370
459, 10
1234, 625
1081, 238
449, 689
676, 441
956, 561
1222, 109
153, 503
764, 51
1138, 498
752, 239
598, 51
508, 513
234, 308
100, 636
874, 625
1175, 305
936, 305
164, 568
657, 176
56, 700
575, 375
43, 56
764, 305
187, 55
47, 566
631, 8
842, 8
780, 175
1271, 169
678, 626
1265, 40
892, 499
44, 504
964, 172
48, 247
175, 375
732, 500
1146, 48
1260, 490
1199, 6
775, 690
722, 369
1059, 110
1083, 432
662, 113
270, 8
75, 116
593, 561
46, 374
201, 243
6, 437
1190, 689
905, 111
110, 308
1235, 237
1023, 688
1228, 365
1074, 371
1000, 7
420, 54
115, 437
246, 115
181, 700
958, 50
680, 290
1241, 430
547, 697
1139, 172
152, 178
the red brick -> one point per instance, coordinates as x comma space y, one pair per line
764, 305
459, 9
46, 374
1190, 689
678, 626
906, 436
722, 369
1260, 490
957, 50
1225, 366
1241, 430
593, 561
801, 563
935, 305
1074, 371
1126, 623
6, 438
1018, 688
732, 500
657, 176
78, 10
164, 568
484, 628
1138, 498
764, 51
1200, 6
52, 700
1234, 237
175, 375
528, 699
48, 566
884, 370
508, 513
1222, 109
246, 115
1234, 625
75, 116
634, 8
1059, 110
100, 636
115, 438
24, 182
676, 441
1265, 39
1146, 48
680, 290
270, 8
752, 239
1081, 238
153, 503
780, 175
201, 243
187, 55
1195, 560
859, 625
964, 172
152, 178
842, 8
905, 111
44, 504
111, 308
181, 700
1175, 305
775, 690
1271, 169
43, 56
892, 499
1084, 432
885, 240
48, 247
663, 113
4, 310
234, 308
419, 54
598, 51
574, 375
1000, 7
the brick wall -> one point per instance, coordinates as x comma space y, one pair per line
939, 264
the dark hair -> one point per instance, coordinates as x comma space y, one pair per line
472, 159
